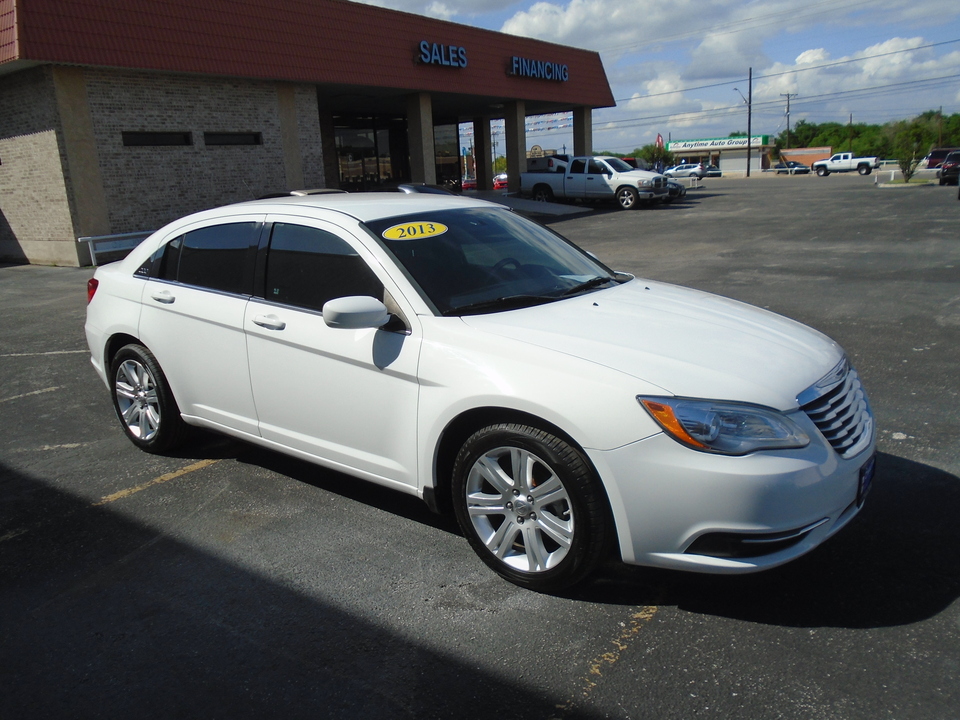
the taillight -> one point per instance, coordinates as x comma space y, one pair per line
92, 285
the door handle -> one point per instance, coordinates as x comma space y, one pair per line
164, 297
270, 322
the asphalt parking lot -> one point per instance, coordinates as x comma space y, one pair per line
230, 582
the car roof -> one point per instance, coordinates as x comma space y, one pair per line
364, 207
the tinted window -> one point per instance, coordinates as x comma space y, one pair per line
577, 166
307, 266
219, 257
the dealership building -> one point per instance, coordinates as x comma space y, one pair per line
729, 154
117, 116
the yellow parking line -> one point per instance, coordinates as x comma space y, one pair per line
35, 392
120, 494
605, 660
17, 532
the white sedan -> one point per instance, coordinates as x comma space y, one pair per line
450, 349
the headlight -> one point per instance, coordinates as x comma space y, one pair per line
644, 183
724, 427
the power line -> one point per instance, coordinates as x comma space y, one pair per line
788, 72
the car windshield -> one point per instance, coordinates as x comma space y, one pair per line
618, 164
478, 260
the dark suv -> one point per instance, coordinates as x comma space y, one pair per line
950, 169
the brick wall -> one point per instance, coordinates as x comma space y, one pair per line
35, 220
147, 187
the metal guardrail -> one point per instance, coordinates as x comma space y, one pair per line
114, 244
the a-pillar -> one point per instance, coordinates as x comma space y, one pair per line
582, 131
514, 123
423, 156
482, 159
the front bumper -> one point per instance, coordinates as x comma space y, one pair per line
687, 510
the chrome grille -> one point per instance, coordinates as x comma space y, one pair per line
838, 406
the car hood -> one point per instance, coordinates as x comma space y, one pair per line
686, 342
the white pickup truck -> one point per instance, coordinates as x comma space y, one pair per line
845, 162
595, 178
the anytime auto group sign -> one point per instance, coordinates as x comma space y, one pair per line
731, 143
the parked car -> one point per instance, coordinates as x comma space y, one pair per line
846, 162
456, 351
469, 183
596, 178
950, 169
935, 157
791, 167
713, 171
675, 191
500, 182
686, 170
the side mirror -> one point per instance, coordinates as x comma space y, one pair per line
355, 312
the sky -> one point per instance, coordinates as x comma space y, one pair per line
679, 68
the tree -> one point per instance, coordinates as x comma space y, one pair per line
907, 140
653, 154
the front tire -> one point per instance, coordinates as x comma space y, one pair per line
822, 171
531, 506
628, 198
143, 401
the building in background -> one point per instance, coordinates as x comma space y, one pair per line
118, 116
729, 154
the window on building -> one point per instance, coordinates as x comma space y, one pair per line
156, 139
232, 138
307, 266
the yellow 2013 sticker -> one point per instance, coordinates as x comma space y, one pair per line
414, 230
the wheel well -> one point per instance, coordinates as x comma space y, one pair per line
461, 428
113, 347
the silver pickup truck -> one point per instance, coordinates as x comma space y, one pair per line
595, 178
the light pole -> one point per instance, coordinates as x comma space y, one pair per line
749, 102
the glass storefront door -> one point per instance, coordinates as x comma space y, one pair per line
373, 153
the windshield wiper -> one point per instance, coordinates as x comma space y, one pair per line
588, 285
508, 302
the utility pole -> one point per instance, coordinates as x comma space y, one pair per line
851, 133
748, 101
749, 117
788, 96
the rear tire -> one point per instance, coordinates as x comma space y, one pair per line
143, 401
864, 169
531, 506
543, 193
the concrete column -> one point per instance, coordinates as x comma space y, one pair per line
583, 131
514, 122
290, 136
423, 156
482, 159
85, 188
